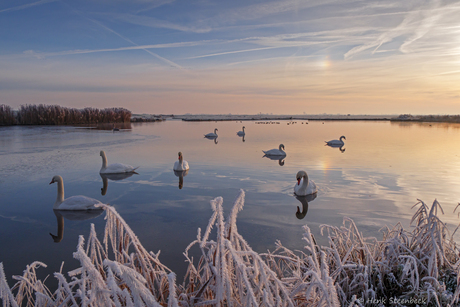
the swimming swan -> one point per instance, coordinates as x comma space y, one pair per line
275, 152
336, 142
304, 186
114, 168
180, 165
211, 135
241, 133
79, 202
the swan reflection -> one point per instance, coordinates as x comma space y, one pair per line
340, 147
304, 201
113, 177
212, 138
280, 159
181, 175
73, 216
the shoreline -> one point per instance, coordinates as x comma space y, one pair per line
320, 117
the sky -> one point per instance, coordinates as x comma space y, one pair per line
238, 57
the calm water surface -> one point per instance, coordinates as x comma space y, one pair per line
374, 179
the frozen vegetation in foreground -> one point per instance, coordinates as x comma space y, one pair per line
417, 267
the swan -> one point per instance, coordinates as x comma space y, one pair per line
180, 165
336, 142
304, 186
79, 202
114, 168
211, 135
241, 133
275, 152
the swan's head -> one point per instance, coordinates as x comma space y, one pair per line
102, 153
56, 178
300, 175
180, 155
343, 137
281, 146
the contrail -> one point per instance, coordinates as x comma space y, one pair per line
26, 6
128, 40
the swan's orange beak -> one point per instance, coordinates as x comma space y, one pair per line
52, 181
298, 181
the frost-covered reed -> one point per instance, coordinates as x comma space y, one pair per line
420, 266
57, 115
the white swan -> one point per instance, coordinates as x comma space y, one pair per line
241, 133
211, 135
79, 202
336, 142
180, 165
304, 186
275, 152
114, 168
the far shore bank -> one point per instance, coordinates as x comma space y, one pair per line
322, 117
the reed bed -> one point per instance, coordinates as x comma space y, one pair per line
57, 115
7, 116
405, 268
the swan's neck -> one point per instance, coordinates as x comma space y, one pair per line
342, 137
280, 148
304, 183
215, 131
104, 161
60, 194
180, 160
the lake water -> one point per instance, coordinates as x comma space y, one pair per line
375, 179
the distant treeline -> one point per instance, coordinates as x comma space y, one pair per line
57, 115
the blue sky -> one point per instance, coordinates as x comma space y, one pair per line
239, 57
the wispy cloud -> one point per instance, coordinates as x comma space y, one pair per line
169, 62
415, 25
26, 6
152, 22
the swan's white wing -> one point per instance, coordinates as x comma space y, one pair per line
311, 187
274, 152
185, 165
180, 167
210, 135
118, 168
335, 142
79, 202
